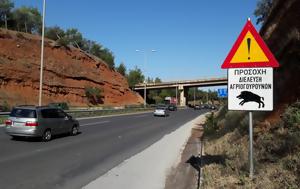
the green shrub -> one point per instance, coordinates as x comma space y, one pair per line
210, 126
292, 163
5, 107
291, 117
222, 112
63, 42
283, 138
94, 95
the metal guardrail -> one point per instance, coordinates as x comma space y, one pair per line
4, 113
101, 111
94, 111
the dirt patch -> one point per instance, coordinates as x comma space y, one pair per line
186, 175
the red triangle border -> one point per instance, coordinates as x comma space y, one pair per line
249, 27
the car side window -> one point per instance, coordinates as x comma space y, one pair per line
60, 113
46, 113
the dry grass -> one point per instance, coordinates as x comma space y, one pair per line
276, 152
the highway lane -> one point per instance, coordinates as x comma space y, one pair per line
74, 161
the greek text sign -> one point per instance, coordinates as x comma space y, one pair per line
250, 89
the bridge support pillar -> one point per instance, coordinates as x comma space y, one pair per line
182, 99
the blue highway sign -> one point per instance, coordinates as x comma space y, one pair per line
222, 93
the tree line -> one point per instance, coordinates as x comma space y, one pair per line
74, 37
29, 20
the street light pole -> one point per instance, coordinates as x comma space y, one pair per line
42, 55
145, 79
176, 91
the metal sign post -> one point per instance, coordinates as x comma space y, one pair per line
251, 145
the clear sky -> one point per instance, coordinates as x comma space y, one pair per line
191, 37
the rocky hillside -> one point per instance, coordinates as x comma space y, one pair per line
67, 72
281, 31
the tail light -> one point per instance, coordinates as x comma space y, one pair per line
8, 122
31, 124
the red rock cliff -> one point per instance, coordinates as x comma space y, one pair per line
66, 74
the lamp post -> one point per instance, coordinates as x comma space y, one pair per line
42, 55
176, 91
145, 79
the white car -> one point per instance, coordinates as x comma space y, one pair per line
161, 111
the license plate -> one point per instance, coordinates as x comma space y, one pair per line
18, 124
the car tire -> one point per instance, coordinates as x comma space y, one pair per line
74, 130
47, 136
16, 137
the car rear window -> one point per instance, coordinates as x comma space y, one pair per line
26, 113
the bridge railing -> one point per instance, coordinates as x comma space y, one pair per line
182, 82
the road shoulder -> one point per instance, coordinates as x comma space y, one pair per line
184, 175
149, 168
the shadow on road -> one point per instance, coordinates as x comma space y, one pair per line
39, 139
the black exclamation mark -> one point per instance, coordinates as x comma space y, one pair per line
249, 44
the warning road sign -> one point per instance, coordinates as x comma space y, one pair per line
250, 77
250, 89
249, 50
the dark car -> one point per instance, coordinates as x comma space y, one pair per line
40, 121
172, 107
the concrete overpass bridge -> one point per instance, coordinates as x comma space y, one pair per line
181, 87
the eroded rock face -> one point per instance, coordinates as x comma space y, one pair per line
281, 31
66, 74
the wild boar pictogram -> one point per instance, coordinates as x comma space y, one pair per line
248, 96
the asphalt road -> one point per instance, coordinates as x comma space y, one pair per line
74, 161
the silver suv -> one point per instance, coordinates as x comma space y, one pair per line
39, 121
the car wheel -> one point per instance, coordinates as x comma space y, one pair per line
47, 135
74, 130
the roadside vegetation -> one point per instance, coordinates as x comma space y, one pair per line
276, 150
94, 95
29, 20
263, 9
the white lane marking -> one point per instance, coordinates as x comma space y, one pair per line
95, 123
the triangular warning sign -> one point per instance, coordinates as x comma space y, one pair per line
249, 50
